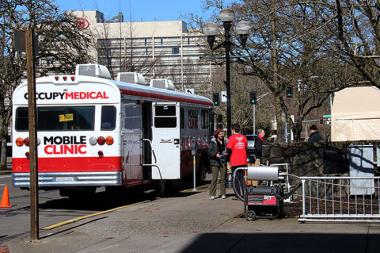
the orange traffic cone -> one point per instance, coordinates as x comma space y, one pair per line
5, 199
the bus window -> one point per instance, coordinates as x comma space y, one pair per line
132, 116
58, 118
165, 116
165, 122
108, 118
204, 119
22, 119
165, 110
192, 119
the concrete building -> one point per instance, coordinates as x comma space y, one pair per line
157, 49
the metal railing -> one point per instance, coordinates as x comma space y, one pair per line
340, 199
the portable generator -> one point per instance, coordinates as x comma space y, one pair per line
266, 199
263, 202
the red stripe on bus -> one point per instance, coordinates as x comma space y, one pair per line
69, 164
165, 97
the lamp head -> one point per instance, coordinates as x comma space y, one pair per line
226, 15
242, 29
211, 30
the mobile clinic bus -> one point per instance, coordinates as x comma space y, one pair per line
93, 131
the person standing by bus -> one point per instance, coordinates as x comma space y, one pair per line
237, 150
217, 153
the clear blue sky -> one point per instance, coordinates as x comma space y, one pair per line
139, 10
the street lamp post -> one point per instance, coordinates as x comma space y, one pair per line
211, 30
254, 111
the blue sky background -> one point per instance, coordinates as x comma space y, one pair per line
139, 10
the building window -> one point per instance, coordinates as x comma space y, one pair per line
162, 41
175, 50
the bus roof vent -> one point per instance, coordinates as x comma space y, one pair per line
162, 83
131, 77
95, 70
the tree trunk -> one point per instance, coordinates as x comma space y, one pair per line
3, 155
5, 114
297, 130
274, 59
3, 147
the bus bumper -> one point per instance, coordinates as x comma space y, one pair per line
51, 179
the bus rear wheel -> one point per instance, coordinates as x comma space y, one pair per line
164, 187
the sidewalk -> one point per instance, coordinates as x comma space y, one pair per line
190, 222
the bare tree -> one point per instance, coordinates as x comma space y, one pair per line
240, 88
61, 45
290, 47
132, 58
356, 29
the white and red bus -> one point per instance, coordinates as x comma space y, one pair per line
93, 131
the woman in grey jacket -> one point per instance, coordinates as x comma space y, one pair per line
217, 153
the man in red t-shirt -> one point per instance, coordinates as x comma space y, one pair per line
237, 150
237, 144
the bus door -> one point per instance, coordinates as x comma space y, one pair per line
131, 135
166, 140
147, 138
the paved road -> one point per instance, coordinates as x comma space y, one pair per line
53, 208
190, 222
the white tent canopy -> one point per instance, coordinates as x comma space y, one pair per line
355, 114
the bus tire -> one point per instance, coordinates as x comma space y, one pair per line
251, 215
164, 188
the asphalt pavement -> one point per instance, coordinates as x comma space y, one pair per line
189, 222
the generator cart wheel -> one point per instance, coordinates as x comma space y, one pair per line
251, 215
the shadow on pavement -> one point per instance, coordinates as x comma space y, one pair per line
105, 200
100, 201
336, 243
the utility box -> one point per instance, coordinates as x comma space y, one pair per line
361, 165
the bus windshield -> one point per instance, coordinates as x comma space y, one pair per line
58, 118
